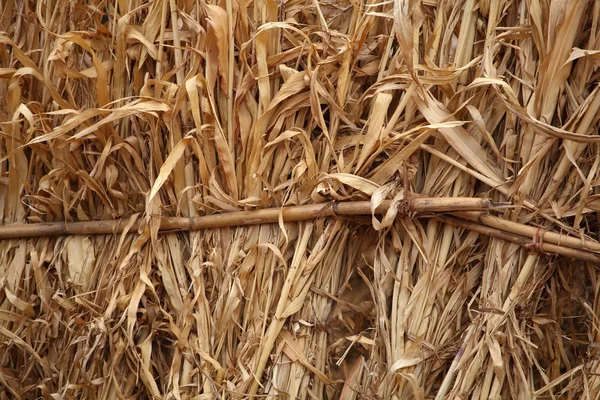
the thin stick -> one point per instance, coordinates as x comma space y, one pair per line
530, 231
462, 208
521, 240
245, 218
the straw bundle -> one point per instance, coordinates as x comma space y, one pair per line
299, 199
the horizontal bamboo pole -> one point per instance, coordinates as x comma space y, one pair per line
530, 231
466, 213
521, 240
245, 218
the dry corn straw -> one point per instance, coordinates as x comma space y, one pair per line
299, 199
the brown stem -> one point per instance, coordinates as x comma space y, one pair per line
463, 210
530, 231
518, 239
244, 218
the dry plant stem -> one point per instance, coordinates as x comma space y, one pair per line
300, 213
278, 321
245, 218
530, 231
449, 378
521, 240
489, 225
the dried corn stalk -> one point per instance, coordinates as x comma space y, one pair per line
155, 116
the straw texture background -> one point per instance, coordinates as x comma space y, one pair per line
133, 110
